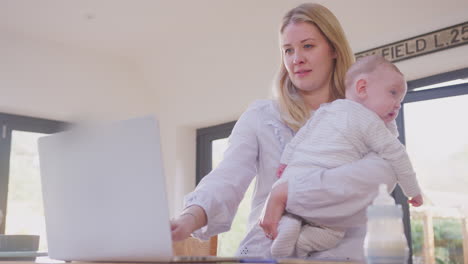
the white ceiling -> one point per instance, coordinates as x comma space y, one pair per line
136, 28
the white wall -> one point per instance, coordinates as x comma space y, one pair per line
50, 80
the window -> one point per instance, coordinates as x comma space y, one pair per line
434, 129
20, 185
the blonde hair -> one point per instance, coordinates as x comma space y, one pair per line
294, 110
367, 65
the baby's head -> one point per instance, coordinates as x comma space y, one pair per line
377, 84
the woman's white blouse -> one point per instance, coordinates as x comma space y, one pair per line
255, 146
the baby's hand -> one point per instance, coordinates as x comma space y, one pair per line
280, 170
416, 200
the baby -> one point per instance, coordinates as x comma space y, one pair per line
341, 132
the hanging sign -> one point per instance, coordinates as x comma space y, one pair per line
423, 44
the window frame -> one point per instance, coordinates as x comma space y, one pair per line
204, 155
8, 123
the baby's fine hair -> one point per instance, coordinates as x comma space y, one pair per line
367, 65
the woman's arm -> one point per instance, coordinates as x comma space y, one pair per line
339, 199
342, 194
219, 193
191, 219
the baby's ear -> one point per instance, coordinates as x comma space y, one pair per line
361, 88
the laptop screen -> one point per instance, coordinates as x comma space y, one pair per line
104, 193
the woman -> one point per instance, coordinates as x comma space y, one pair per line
316, 56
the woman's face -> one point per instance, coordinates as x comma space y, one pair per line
308, 57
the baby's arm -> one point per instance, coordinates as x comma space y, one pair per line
274, 209
381, 140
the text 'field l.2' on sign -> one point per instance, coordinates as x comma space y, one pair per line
423, 44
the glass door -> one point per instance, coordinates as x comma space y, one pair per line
21, 192
436, 136
24, 203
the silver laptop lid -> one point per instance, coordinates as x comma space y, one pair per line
104, 193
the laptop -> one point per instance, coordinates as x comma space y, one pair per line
104, 193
